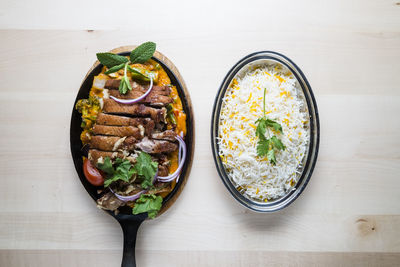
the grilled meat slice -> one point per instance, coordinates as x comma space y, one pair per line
129, 143
114, 120
106, 143
161, 188
109, 202
156, 146
110, 106
168, 135
95, 154
153, 98
162, 170
120, 131
112, 143
159, 90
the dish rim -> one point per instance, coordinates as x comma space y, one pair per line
313, 113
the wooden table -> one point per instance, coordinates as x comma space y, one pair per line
349, 215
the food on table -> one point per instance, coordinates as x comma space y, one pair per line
263, 132
134, 127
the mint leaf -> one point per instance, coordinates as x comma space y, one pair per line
123, 88
115, 68
143, 52
148, 203
110, 60
127, 82
277, 143
146, 168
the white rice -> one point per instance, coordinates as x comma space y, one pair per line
255, 176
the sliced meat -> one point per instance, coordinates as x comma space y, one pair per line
168, 135
129, 143
156, 146
109, 202
95, 154
112, 143
110, 106
161, 188
153, 98
105, 143
120, 131
114, 120
162, 159
159, 90
162, 170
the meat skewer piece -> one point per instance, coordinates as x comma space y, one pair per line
114, 120
120, 131
159, 90
110, 106
168, 135
109, 202
153, 98
152, 146
95, 154
112, 143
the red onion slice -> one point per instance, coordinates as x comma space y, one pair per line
179, 160
132, 101
173, 176
128, 198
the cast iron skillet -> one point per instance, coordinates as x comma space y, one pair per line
130, 223
248, 62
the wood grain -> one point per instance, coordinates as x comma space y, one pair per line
349, 214
110, 258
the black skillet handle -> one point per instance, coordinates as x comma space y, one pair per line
130, 225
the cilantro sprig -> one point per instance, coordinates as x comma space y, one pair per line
268, 146
114, 63
122, 169
149, 203
146, 168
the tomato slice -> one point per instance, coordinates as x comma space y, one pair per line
92, 174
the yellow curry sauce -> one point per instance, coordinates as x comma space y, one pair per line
92, 108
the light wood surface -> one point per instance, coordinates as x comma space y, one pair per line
349, 214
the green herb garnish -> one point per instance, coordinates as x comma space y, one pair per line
125, 84
142, 74
170, 114
143, 52
268, 146
111, 60
149, 203
122, 169
114, 63
146, 168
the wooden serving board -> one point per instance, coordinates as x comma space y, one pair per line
188, 109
